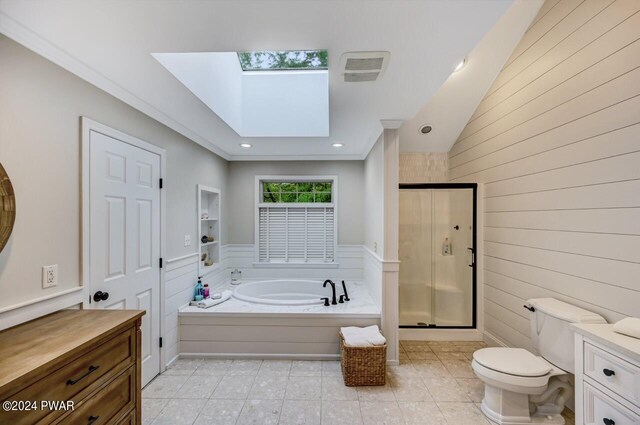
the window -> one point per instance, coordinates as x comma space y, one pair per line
296, 220
284, 60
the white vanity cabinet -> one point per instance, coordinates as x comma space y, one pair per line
607, 376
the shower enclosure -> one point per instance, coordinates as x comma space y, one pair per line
437, 255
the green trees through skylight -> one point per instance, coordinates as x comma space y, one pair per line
284, 60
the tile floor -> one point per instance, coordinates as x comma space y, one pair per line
433, 385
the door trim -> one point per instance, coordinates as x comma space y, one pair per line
87, 126
474, 235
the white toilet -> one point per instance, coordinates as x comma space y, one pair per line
525, 388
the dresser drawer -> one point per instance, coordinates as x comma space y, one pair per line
109, 404
612, 372
600, 409
130, 419
76, 379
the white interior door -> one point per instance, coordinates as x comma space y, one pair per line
125, 236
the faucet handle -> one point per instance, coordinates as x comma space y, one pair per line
341, 299
344, 289
326, 301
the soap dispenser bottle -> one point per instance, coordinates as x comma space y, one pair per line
198, 294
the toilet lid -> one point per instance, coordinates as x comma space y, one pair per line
513, 361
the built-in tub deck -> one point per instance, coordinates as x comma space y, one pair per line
239, 329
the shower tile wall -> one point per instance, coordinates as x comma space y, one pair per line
430, 167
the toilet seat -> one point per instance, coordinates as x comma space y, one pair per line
512, 361
513, 369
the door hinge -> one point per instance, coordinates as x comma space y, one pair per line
161, 183
160, 342
160, 262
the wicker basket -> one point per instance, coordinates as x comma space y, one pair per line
363, 366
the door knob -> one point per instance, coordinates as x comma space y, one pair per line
100, 296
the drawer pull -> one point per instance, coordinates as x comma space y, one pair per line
608, 372
92, 419
608, 421
87, 373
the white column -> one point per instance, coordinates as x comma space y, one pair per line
391, 264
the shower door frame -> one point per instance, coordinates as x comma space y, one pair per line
474, 242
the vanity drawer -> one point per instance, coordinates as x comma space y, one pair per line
599, 409
76, 379
612, 372
109, 404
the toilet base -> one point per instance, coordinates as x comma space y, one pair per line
509, 408
535, 419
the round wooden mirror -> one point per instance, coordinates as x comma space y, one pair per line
7, 207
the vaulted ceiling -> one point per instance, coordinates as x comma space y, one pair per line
110, 44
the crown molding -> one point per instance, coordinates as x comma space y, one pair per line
391, 124
29, 39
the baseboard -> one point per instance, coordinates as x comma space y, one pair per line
172, 361
440, 334
493, 341
260, 356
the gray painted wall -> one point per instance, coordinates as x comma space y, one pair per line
40, 106
374, 198
241, 194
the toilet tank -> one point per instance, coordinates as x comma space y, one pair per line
551, 335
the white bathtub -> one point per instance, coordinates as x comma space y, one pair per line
284, 292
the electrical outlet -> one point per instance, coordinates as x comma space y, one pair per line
187, 240
49, 276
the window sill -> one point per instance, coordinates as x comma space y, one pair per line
296, 265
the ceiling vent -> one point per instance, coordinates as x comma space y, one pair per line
360, 67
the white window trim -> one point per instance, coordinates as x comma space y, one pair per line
258, 204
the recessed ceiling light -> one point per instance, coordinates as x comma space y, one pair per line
425, 129
245, 145
337, 145
461, 65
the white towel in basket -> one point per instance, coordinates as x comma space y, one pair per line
362, 337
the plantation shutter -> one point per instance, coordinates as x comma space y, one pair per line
296, 234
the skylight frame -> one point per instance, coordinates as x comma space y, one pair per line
324, 65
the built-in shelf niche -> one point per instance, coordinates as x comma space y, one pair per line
208, 225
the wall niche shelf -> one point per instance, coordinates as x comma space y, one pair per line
208, 225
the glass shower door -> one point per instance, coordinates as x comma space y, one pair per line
415, 257
437, 270
453, 259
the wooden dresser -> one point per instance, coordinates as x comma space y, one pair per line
72, 367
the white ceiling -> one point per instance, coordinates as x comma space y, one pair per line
109, 43
449, 110
255, 103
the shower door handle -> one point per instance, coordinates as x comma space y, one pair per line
473, 257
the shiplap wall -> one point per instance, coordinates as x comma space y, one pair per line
556, 141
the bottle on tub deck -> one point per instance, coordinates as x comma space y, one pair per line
446, 247
206, 291
236, 275
198, 294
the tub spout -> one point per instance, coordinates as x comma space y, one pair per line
333, 289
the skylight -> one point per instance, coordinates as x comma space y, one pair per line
258, 104
284, 60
